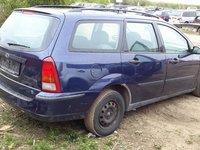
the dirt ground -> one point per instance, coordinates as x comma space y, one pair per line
173, 124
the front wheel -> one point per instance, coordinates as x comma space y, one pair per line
198, 30
196, 92
106, 113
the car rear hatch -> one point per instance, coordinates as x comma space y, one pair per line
26, 38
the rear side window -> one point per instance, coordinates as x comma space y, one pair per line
28, 31
141, 37
96, 36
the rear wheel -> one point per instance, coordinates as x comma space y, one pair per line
106, 113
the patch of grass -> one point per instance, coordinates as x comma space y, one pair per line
41, 145
8, 142
157, 146
109, 142
86, 143
29, 142
189, 141
64, 145
46, 136
71, 135
52, 136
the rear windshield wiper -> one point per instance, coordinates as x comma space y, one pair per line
15, 44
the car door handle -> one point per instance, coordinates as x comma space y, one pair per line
134, 61
174, 61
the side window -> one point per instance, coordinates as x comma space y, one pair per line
189, 14
141, 37
173, 41
96, 36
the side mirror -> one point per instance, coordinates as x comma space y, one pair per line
196, 50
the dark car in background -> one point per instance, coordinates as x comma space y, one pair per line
92, 64
163, 15
196, 19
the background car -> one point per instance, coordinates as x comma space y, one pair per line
189, 16
175, 16
196, 19
163, 15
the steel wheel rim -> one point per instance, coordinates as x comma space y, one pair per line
108, 114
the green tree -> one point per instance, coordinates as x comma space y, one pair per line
7, 6
45, 2
67, 2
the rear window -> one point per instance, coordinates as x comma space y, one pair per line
28, 31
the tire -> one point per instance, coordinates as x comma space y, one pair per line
198, 30
196, 92
105, 114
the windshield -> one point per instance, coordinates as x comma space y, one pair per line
29, 31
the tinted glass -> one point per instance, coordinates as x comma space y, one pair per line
31, 31
189, 14
165, 14
176, 13
96, 36
173, 41
141, 37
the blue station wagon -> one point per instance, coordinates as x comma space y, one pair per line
60, 63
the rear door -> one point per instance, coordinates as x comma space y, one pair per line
143, 64
182, 66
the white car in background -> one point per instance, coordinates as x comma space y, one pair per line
189, 15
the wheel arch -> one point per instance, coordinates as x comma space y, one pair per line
124, 91
114, 82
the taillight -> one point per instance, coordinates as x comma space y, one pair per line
50, 81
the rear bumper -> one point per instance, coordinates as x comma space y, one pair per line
52, 107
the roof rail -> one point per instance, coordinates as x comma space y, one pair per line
79, 9
55, 6
117, 11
